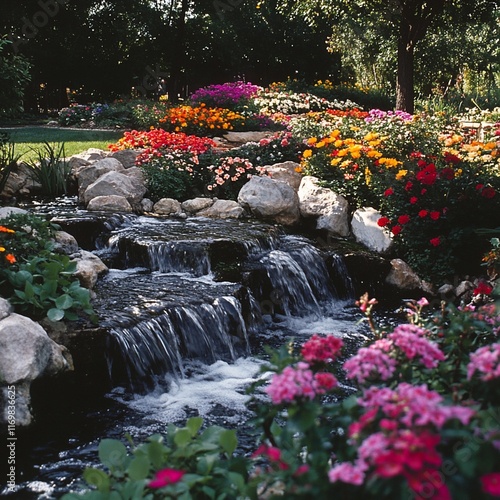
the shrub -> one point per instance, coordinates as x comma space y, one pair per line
233, 95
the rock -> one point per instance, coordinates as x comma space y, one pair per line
8, 211
111, 203
88, 268
89, 174
463, 288
402, 276
5, 308
65, 243
126, 157
147, 205
446, 290
223, 209
244, 137
269, 199
368, 232
196, 204
136, 175
167, 206
331, 209
285, 172
26, 353
92, 154
76, 164
115, 183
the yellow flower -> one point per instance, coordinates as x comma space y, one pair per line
371, 136
368, 176
335, 161
307, 153
320, 144
372, 153
2, 249
401, 174
312, 140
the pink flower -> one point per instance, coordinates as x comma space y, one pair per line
485, 361
491, 483
347, 473
321, 349
368, 363
165, 477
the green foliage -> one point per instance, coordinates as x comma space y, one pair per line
50, 169
37, 281
8, 158
187, 463
14, 77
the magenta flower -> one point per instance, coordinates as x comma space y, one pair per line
485, 361
491, 483
321, 349
165, 477
370, 362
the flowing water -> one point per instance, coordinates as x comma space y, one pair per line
187, 306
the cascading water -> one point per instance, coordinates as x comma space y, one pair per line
187, 305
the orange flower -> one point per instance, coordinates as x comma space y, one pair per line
10, 258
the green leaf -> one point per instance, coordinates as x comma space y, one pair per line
194, 425
229, 441
55, 314
182, 437
64, 302
156, 451
112, 453
29, 292
138, 468
97, 478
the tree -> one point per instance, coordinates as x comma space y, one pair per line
408, 22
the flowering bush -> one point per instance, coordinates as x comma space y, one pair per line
234, 95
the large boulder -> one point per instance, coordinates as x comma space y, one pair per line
223, 209
268, 199
196, 204
111, 203
26, 354
367, 232
287, 171
330, 209
8, 211
87, 175
115, 183
167, 206
126, 157
91, 154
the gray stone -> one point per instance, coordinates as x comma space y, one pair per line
463, 288
367, 232
285, 172
196, 204
223, 209
92, 154
402, 276
446, 289
89, 174
115, 183
269, 199
111, 203
126, 157
5, 308
136, 175
65, 243
8, 211
147, 205
330, 209
167, 206
244, 137
88, 268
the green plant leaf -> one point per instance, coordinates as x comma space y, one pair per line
112, 453
182, 437
64, 302
156, 452
138, 468
194, 425
97, 478
55, 314
229, 441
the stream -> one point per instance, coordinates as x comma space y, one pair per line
188, 306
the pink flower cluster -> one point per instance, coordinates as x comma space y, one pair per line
165, 477
402, 439
379, 359
321, 349
299, 382
486, 362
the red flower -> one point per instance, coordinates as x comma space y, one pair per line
488, 192
435, 242
479, 187
423, 213
409, 186
403, 219
413, 200
483, 289
383, 221
421, 163
395, 230
434, 215
451, 158
428, 175
491, 483
165, 477
447, 174
388, 192
423, 191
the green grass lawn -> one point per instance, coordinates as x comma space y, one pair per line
28, 139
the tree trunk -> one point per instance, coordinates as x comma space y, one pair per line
178, 55
404, 82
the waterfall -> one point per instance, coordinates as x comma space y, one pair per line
167, 307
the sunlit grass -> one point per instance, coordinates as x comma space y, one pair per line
28, 139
